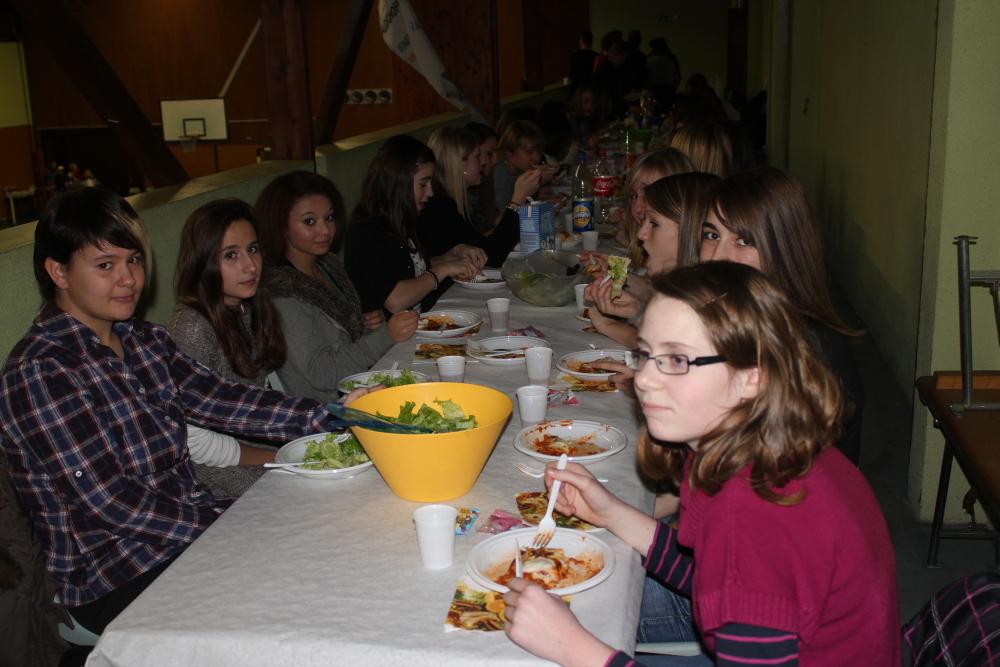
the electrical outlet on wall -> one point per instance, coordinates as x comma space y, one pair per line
368, 96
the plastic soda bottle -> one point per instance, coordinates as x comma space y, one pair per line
583, 197
603, 185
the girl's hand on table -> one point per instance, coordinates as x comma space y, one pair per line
543, 624
457, 269
402, 325
622, 379
474, 254
373, 319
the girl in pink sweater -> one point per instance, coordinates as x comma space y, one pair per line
782, 546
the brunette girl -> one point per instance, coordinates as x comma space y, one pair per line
383, 254
327, 333
446, 219
225, 320
762, 218
672, 210
740, 413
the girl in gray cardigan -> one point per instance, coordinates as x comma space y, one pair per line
327, 335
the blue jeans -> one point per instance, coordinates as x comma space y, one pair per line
665, 616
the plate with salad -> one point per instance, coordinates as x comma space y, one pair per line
386, 378
331, 455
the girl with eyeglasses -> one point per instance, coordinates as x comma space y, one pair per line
781, 544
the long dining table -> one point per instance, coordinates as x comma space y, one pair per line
305, 571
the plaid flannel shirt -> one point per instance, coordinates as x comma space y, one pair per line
97, 450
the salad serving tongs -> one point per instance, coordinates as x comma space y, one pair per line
359, 418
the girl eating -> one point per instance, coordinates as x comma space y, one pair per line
781, 545
328, 334
446, 219
384, 256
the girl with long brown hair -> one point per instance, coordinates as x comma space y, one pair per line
762, 218
781, 544
225, 320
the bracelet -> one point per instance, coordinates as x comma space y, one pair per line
513, 207
435, 277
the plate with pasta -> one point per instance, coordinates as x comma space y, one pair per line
582, 441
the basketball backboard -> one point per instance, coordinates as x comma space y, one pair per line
201, 118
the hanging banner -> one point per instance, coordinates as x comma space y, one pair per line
405, 37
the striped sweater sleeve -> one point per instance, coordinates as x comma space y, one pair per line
738, 644
666, 563
742, 644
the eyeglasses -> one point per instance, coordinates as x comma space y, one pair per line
672, 364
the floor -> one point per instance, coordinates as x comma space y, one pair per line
884, 460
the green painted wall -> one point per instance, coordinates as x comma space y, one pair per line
695, 31
963, 197
861, 76
892, 128
14, 107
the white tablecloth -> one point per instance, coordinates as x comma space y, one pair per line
323, 572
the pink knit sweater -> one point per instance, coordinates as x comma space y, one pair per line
823, 569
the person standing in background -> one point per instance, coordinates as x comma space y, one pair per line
581, 63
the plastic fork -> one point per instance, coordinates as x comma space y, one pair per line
547, 526
538, 474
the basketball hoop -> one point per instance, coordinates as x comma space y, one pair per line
189, 142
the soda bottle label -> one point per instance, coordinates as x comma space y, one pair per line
603, 186
583, 214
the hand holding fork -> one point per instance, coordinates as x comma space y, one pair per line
547, 526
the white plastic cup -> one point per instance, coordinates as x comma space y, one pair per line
539, 363
499, 313
451, 368
568, 223
581, 303
436, 535
590, 240
532, 401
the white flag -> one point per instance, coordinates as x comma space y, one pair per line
401, 30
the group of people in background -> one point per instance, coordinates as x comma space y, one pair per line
125, 440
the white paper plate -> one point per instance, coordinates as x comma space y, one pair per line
493, 550
481, 349
607, 437
295, 452
463, 318
493, 274
362, 379
590, 355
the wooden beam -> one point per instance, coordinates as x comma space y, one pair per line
491, 110
53, 24
534, 36
340, 71
286, 79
